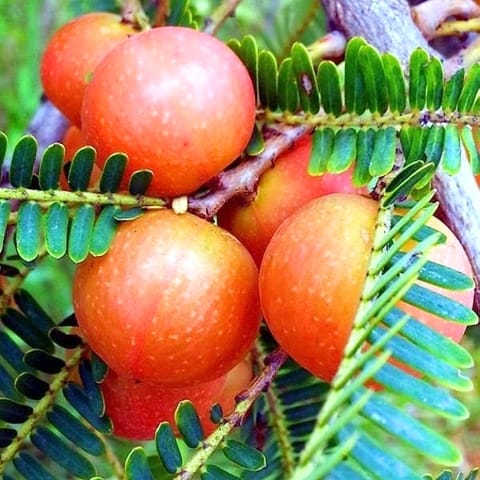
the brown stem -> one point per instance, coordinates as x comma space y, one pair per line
242, 179
388, 25
162, 13
225, 10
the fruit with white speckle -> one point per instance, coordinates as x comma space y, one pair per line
174, 301
177, 101
72, 55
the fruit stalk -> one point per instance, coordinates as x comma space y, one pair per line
242, 179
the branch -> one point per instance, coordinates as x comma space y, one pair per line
242, 179
388, 25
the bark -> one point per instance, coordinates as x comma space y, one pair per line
388, 25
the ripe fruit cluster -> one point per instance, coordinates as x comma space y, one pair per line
177, 101
175, 305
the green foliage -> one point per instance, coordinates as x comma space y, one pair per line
379, 105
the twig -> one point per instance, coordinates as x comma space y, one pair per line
242, 179
431, 14
273, 363
214, 21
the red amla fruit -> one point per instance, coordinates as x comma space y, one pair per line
73, 53
313, 273
177, 101
281, 191
137, 408
174, 301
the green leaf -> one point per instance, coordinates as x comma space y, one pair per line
56, 229
417, 139
91, 387
139, 182
434, 144
29, 228
81, 403
113, 172
371, 66
60, 452
395, 82
81, 232
306, 78
411, 431
167, 448
25, 328
355, 97
104, 230
435, 81
14, 412
421, 393
81, 169
452, 150
73, 429
439, 305
5, 208
51, 166
328, 81
249, 55
344, 151
322, 148
441, 275
243, 455
130, 214
7, 436
136, 465
424, 362
44, 362
418, 80
470, 89
3, 147
31, 468
31, 308
23, 160
267, 79
98, 368
256, 144
177, 12
468, 142
406, 180
383, 157
453, 88
365, 147
288, 99
430, 340
31, 386
11, 353
213, 472
375, 458
189, 426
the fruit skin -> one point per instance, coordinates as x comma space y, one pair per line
177, 101
137, 408
323, 249
72, 55
281, 191
174, 301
